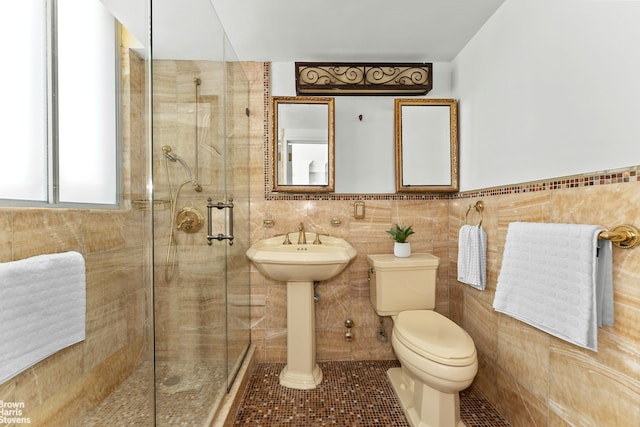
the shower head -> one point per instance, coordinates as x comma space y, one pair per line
167, 153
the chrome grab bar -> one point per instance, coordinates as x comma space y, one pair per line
220, 236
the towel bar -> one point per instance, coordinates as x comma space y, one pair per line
622, 236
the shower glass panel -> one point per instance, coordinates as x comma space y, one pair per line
200, 152
237, 183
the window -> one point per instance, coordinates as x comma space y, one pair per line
58, 112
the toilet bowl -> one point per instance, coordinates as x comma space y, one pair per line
437, 357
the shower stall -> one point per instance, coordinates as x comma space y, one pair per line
200, 129
167, 281
185, 110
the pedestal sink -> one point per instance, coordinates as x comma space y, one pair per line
299, 266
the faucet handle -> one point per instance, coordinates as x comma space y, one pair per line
317, 240
286, 239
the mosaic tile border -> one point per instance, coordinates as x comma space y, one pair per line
617, 176
623, 175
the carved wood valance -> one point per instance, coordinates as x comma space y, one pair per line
343, 78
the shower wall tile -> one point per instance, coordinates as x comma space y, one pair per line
208, 121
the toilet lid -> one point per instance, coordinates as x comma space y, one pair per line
435, 337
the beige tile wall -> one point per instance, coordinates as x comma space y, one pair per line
63, 387
189, 286
533, 378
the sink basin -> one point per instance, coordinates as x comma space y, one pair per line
300, 266
301, 263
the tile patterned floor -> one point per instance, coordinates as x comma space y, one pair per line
353, 393
186, 395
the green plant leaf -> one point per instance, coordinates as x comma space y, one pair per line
400, 234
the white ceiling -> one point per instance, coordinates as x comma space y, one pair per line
306, 30
352, 30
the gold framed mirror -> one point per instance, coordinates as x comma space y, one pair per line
426, 136
302, 135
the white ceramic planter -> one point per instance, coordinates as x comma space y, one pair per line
402, 250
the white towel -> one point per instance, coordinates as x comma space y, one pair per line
472, 256
42, 309
557, 278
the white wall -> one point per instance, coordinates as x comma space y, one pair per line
549, 88
364, 150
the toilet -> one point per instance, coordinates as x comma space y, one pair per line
437, 357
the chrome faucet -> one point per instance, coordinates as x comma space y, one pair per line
302, 237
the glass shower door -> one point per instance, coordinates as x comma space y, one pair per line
237, 185
201, 286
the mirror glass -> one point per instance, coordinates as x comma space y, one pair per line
426, 133
303, 144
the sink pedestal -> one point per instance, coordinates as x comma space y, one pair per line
302, 372
299, 266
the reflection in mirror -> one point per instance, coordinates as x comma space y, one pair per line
426, 145
303, 144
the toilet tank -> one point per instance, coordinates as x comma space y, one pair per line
399, 284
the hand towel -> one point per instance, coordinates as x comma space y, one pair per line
472, 256
557, 278
42, 309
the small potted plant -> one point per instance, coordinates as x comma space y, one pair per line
401, 248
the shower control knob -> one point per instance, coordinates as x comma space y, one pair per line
189, 220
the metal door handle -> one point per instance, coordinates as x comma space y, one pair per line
220, 236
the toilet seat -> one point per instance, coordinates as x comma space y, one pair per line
435, 337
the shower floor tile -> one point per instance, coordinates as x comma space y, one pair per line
352, 393
185, 395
